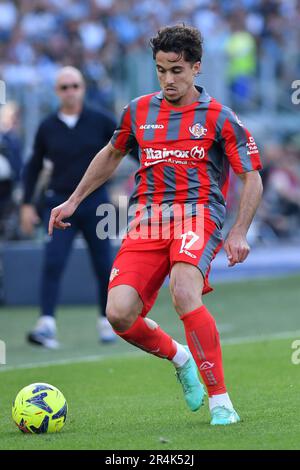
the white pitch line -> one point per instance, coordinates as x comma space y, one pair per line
74, 360
259, 338
59, 362
131, 354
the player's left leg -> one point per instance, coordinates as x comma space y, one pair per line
186, 285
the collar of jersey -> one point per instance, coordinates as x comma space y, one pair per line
203, 98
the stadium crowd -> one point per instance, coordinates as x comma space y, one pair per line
37, 37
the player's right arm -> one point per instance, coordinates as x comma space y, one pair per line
99, 171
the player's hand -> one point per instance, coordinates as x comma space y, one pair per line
236, 247
28, 219
58, 214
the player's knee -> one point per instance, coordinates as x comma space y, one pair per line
182, 296
185, 297
121, 314
186, 285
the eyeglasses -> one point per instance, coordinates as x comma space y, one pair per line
75, 86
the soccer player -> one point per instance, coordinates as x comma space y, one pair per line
187, 140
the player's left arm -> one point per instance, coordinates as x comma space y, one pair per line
242, 152
236, 245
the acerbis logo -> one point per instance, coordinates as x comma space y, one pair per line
206, 365
196, 153
151, 126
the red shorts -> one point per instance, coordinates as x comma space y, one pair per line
144, 262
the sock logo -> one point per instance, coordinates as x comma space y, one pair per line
207, 365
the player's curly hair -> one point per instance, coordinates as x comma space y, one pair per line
184, 40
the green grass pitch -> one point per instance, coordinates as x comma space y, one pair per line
120, 398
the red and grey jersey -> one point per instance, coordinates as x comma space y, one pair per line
185, 152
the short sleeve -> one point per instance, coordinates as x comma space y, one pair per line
123, 138
239, 145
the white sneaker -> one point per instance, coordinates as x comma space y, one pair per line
44, 333
105, 331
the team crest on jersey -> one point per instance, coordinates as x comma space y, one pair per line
197, 130
114, 273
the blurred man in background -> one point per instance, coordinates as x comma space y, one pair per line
10, 169
68, 139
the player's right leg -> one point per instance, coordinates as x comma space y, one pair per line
124, 308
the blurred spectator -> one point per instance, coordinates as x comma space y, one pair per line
10, 168
8, 19
254, 43
241, 51
38, 36
281, 205
273, 153
10, 135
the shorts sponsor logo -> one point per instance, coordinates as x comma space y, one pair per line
151, 126
188, 253
113, 274
197, 130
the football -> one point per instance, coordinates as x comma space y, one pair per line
39, 408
